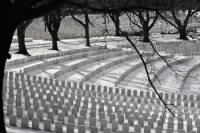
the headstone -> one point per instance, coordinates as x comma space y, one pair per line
93, 130
74, 112
35, 123
81, 129
61, 117
101, 116
138, 128
151, 123
65, 110
112, 117
81, 120
47, 125
71, 119
13, 120
40, 115
19, 112
189, 127
107, 130
25, 122
121, 119
36, 104
46, 108
70, 128
18, 101
93, 114
141, 121
125, 128
159, 130
147, 129
170, 125
55, 109
10, 101
103, 124
92, 122
9, 110
180, 125
50, 116
59, 127
114, 126
83, 113
170, 130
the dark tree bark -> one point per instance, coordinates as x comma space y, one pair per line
87, 30
6, 39
21, 29
54, 37
146, 36
117, 27
183, 34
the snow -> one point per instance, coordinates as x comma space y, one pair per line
136, 79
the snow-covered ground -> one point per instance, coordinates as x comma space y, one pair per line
108, 76
127, 73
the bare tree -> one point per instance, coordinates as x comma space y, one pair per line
178, 21
115, 17
52, 22
144, 20
85, 23
21, 29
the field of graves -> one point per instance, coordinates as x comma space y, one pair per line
102, 89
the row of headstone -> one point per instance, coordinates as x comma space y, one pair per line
63, 59
108, 65
185, 97
173, 47
99, 88
49, 55
167, 97
21, 109
90, 60
59, 127
59, 99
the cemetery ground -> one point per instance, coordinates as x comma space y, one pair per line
101, 89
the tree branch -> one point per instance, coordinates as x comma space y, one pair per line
78, 20
154, 21
148, 75
171, 23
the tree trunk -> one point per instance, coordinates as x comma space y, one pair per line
183, 34
6, 39
21, 40
54, 36
146, 36
87, 36
87, 30
117, 25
